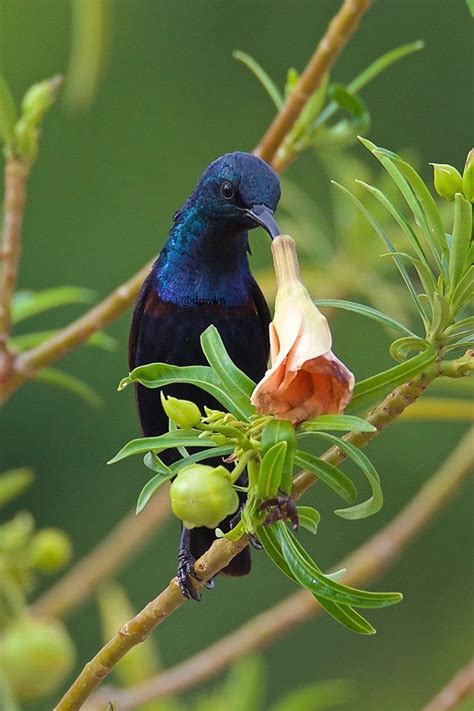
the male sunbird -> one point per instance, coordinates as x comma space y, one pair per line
202, 277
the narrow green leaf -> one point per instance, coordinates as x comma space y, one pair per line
281, 431
157, 375
152, 461
381, 233
201, 456
309, 518
310, 577
53, 376
8, 116
239, 386
465, 325
376, 387
426, 275
31, 340
30, 303
346, 423
271, 470
375, 502
402, 347
14, 482
364, 310
169, 440
259, 72
462, 235
150, 488
329, 475
319, 696
463, 291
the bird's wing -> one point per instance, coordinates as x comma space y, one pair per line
263, 311
136, 320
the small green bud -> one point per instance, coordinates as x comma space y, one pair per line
447, 180
35, 655
36, 102
468, 177
184, 413
202, 495
50, 549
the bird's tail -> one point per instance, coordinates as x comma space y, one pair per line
202, 539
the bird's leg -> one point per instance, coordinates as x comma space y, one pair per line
282, 507
186, 567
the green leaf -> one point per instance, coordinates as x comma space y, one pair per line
31, 340
381, 233
364, 310
53, 376
309, 518
150, 488
463, 292
464, 326
375, 502
239, 386
243, 689
402, 347
14, 482
346, 423
157, 375
259, 72
169, 440
152, 461
376, 387
281, 431
462, 235
319, 696
8, 116
470, 6
30, 303
329, 475
7, 700
310, 577
426, 275
271, 470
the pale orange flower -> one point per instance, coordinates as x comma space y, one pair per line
305, 379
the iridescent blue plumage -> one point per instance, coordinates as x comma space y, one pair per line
202, 277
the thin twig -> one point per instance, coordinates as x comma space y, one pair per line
457, 689
16, 176
363, 565
218, 556
338, 33
104, 560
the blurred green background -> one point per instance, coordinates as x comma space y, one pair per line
101, 198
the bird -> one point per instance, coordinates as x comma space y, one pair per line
202, 277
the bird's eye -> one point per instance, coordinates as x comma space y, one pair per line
227, 190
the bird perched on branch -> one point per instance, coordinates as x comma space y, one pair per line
202, 277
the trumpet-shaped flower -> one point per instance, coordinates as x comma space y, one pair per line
305, 379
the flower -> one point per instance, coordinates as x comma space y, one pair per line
305, 379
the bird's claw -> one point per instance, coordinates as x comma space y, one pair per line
254, 542
282, 507
185, 573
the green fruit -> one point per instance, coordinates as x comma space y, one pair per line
50, 549
447, 180
202, 495
35, 655
184, 413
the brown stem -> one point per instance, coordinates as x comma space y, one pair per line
458, 688
217, 557
16, 175
363, 565
104, 560
337, 35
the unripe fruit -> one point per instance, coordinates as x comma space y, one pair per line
184, 413
447, 181
202, 495
35, 656
50, 549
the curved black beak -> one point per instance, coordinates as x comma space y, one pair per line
264, 217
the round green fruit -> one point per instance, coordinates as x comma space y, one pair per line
202, 495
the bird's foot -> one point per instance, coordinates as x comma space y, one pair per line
186, 574
281, 508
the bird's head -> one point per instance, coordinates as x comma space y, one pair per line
240, 191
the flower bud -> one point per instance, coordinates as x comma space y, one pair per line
35, 656
50, 549
202, 495
447, 180
468, 177
184, 413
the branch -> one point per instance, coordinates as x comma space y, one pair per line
339, 32
454, 692
104, 560
16, 176
363, 565
218, 556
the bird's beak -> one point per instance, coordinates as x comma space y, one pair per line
264, 217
